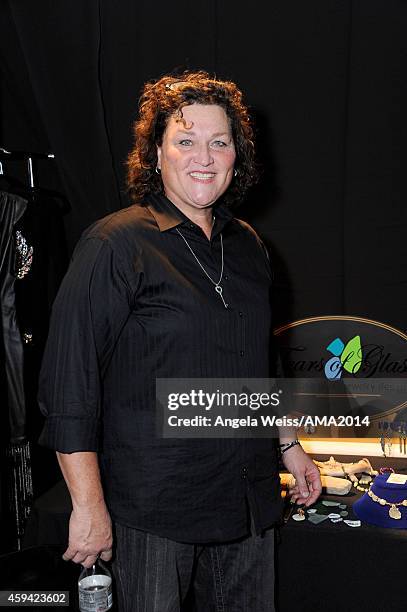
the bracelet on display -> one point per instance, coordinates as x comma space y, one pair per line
287, 445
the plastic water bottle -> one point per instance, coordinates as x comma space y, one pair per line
95, 588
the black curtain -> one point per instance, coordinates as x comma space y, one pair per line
324, 81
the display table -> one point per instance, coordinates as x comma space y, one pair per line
321, 568
331, 567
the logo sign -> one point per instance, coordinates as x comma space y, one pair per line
348, 358
363, 363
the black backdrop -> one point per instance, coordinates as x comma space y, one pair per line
326, 83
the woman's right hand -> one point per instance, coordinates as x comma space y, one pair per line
90, 534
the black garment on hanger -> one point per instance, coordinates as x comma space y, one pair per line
33, 261
12, 208
27, 291
41, 228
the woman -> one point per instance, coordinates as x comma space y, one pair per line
172, 287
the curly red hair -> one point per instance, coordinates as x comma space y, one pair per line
166, 97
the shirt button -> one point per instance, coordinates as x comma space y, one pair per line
225, 277
240, 314
241, 353
244, 473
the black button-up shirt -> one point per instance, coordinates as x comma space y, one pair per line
135, 306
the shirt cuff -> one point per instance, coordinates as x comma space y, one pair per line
67, 434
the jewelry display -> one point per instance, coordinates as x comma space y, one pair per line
349, 471
385, 438
300, 515
386, 429
402, 430
385, 502
394, 512
324, 510
365, 479
217, 285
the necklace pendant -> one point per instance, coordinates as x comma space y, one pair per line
219, 290
394, 512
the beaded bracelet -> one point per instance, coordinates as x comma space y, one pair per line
287, 445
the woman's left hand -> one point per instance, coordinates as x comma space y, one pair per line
308, 486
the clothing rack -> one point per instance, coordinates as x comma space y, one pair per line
27, 156
18, 451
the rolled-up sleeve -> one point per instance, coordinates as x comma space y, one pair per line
88, 315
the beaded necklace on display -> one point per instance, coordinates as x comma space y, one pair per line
394, 512
357, 484
365, 479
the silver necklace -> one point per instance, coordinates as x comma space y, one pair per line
218, 288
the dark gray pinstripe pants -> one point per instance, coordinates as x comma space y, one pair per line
154, 574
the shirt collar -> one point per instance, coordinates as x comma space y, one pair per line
167, 215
